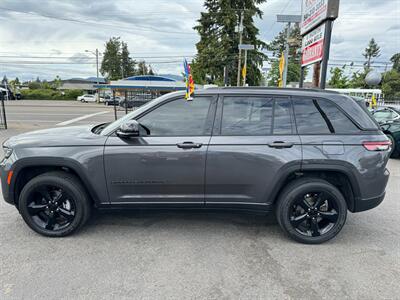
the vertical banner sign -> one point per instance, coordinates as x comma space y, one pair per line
189, 81
281, 69
313, 13
313, 46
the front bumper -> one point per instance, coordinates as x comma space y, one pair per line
4, 185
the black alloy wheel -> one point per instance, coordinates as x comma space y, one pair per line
51, 207
311, 210
54, 204
314, 214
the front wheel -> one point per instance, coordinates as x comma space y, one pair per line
54, 204
311, 211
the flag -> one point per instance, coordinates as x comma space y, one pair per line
281, 69
244, 72
189, 80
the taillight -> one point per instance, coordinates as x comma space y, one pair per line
377, 146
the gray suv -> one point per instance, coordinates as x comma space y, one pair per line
307, 154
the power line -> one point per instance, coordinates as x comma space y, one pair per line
141, 27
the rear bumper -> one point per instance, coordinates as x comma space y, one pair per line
367, 204
364, 204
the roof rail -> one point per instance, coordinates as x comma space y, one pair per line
273, 89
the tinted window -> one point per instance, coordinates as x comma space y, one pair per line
340, 122
385, 115
308, 118
282, 117
179, 118
321, 117
247, 116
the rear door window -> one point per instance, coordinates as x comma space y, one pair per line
243, 116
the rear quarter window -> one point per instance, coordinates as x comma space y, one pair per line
321, 116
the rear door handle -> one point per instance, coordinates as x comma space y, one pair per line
281, 145
189, 145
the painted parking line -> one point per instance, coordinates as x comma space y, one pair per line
81, 118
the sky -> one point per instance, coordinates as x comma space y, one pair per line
46, 38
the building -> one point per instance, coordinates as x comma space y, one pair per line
144, 88
86, 85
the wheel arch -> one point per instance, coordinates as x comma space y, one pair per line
340, 176
26, 169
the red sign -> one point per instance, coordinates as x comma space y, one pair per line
313, 46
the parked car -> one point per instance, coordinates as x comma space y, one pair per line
109, 100
389, 120
310, 156
89, 98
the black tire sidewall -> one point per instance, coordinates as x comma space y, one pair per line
72, 188
394, 153
302, 187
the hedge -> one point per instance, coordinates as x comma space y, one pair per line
47, 94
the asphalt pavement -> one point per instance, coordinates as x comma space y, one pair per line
188, 255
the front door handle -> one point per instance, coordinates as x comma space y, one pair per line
281, 145
189, 145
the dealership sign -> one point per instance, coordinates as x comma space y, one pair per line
313, 13
313, 46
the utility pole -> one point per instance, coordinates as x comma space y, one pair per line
97, 71
240, 30
289, 19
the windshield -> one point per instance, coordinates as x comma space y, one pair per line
386, 115
115, 125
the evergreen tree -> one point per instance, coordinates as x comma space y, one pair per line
128, 64
218, 45
372, 51
111, 63
5, 80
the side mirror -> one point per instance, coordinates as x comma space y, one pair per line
129, 129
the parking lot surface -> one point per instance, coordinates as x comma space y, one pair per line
186, 255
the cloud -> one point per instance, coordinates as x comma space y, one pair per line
160, 28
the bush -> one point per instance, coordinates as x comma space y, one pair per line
49, 94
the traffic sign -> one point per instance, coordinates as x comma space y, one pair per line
246, 47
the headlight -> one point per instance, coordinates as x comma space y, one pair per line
6, 153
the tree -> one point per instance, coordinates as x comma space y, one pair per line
277, 46
338, 79
5, 80
56, 84
218, 45
111, 63
127, 63
391, 85
396, 62
372, 51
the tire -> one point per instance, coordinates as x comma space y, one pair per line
290, 211
73, 206
395, 152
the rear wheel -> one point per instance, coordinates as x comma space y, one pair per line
395, 152
54, 204
311, 211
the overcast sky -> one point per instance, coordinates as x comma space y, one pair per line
160, 31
